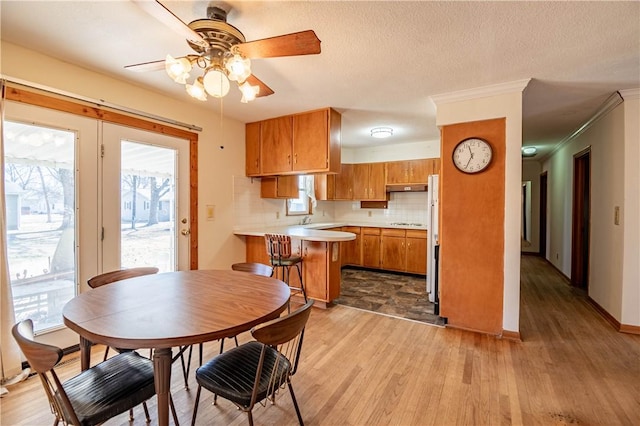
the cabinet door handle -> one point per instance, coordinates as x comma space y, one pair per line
289, 159
295, 158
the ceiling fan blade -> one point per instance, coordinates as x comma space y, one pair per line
301, 43
168, 18
146, 66
264, 89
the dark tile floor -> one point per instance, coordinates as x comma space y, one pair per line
386, 293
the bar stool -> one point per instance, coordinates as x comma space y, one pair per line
280, 256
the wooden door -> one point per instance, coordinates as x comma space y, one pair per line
394, 252
377, 190
344, 183
252, 146
371, 247
351, 251
311, 141
276, 142
416, 251
581, 219
543, 216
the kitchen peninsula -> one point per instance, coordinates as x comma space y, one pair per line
320, 250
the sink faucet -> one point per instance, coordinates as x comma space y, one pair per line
306, 220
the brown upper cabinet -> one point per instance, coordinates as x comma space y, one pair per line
368, 182
343, 183
279, 187
411, 171
301, 143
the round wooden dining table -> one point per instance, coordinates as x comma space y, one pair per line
172, 309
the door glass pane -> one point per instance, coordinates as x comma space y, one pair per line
147, 210
40, 192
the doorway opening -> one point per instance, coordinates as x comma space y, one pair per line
581, 219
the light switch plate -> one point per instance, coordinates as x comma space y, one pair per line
210, 212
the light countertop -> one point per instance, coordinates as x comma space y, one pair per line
318, 232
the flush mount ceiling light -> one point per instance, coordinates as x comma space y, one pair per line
381, 132
529, 151
222, 53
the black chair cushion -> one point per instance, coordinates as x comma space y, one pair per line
110, 388
231, 374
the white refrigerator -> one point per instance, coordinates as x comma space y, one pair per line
432, 239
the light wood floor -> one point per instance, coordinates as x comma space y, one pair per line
360, 368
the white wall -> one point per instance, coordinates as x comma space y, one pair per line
631, 211
218, 247
392, 152
613, 141
495, 102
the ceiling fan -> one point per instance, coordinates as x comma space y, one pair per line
222, 53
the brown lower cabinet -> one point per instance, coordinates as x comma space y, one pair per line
403, 250
371, 247
393, 251
350, 251
320, 266
416, 251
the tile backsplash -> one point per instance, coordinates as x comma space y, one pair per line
252, 211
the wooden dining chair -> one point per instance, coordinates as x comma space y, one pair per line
257, 370
251, 267
121, 274
95, 395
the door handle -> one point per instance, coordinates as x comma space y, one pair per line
185, 232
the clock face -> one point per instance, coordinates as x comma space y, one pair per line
472, 155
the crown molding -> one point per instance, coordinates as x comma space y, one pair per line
481, 92
629, 94
607, 106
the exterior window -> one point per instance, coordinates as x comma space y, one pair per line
302, 204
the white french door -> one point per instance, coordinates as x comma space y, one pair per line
145, 199
70, 207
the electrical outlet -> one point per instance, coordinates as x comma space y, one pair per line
277, 215
616, 215
369, 213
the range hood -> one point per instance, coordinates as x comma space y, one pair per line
407, 188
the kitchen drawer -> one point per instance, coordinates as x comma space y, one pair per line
392, 232
416, 233
370, 231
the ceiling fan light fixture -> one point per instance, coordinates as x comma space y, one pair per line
196, 90
178, 69
216, 83
238, 68
381, 132
249, 92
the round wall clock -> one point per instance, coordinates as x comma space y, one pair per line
472, 155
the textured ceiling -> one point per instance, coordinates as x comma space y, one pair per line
380, 61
